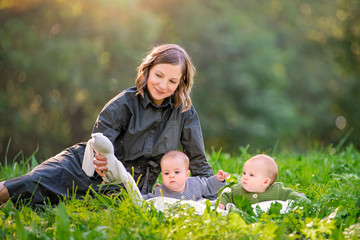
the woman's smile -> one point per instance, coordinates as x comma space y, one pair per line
163, 81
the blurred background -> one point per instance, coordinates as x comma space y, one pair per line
270, 74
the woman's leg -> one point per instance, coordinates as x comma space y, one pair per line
4, 194
52, 180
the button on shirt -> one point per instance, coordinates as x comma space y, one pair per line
142, 132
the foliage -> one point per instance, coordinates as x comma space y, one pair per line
330, 179
268, 71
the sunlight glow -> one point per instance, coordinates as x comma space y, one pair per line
341, 15
305, 8
340, 122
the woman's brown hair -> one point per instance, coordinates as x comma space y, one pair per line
169, 54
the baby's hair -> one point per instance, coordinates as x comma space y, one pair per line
270, 165
176, 154
169, 54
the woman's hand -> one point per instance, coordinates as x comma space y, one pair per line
100, 164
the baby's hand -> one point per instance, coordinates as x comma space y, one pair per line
221, 175
221, 206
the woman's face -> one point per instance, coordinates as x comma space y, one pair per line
163, 80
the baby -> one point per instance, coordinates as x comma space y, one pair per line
177, 183
258, 183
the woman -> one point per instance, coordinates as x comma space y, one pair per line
142, 122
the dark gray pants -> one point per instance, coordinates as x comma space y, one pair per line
58, 177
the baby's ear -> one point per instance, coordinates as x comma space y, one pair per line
187, 173
267, 182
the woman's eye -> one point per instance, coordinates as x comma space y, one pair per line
173, 82
158, 75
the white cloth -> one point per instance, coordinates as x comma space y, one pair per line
265, 206
163, 203
116, 173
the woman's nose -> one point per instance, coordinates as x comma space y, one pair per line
162, 84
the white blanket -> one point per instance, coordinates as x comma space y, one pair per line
163, 203
117, 174
265, 206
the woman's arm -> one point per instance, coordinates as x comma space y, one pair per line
112, 117
193, 144
109, 123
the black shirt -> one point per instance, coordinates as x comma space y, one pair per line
142, 132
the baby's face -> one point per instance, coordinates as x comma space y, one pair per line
174, 174
253, 177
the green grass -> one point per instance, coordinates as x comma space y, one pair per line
330, 178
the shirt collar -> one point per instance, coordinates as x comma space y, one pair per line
146, 100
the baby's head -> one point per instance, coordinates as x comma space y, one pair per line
175, 170
259, 172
